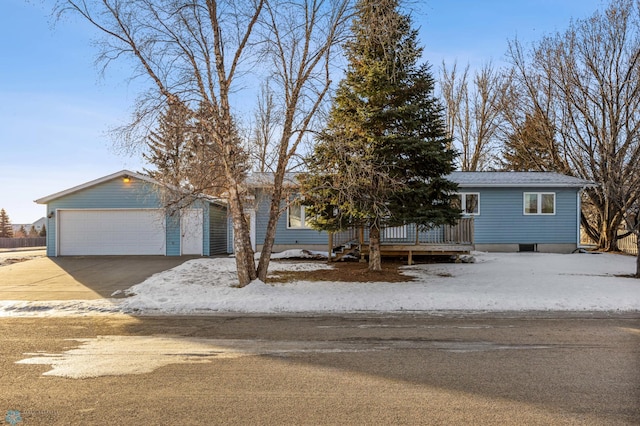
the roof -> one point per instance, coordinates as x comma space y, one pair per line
517, 179
120, 174
266, 179
465, 179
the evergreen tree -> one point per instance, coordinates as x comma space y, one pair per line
22, 232
183, 157
532, 147
168, 144
6, 231
381, 160
43, 231
33, 233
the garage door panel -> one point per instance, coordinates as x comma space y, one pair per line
111, 232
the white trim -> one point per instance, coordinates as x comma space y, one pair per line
463, 203
120, 174
303, 217
578, 219
252, 228
538, 203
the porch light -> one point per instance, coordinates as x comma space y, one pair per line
126, 179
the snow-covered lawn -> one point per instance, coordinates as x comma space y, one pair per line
496, 282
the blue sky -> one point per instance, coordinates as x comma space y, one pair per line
56, 110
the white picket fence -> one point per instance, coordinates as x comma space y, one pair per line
628, 244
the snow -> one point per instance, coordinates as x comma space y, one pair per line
495, 282
120, 355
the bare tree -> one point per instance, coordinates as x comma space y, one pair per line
264, 130
474, 113
191, 52
587, 81
300, 40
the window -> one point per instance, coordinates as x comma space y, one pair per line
468, 202
539, 203
297, 217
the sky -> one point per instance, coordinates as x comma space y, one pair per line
57, 109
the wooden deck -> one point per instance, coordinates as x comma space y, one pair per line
411, 250
409, 241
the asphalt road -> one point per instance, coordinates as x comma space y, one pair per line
347, 370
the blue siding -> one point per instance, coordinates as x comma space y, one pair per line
173, 235
116, 194
502, 219
284, 235
51, 233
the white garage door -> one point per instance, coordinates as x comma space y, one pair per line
111, 232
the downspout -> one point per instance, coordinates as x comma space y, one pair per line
578, 221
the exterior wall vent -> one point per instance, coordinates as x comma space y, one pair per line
528, 247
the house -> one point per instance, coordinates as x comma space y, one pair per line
522, 211
122, 214
37, 225
502, 211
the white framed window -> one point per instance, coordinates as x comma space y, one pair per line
539, 203
468, 202
298, 217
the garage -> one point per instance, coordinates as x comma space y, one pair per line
125, 214
111, 232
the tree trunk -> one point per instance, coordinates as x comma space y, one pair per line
267, 246
375, 261
608, 236
245, 262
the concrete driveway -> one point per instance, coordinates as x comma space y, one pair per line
79, 278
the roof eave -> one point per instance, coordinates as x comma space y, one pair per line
121, 173
529, 185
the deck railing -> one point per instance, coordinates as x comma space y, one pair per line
339, 239
460, 233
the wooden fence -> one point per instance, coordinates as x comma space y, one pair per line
7, 243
